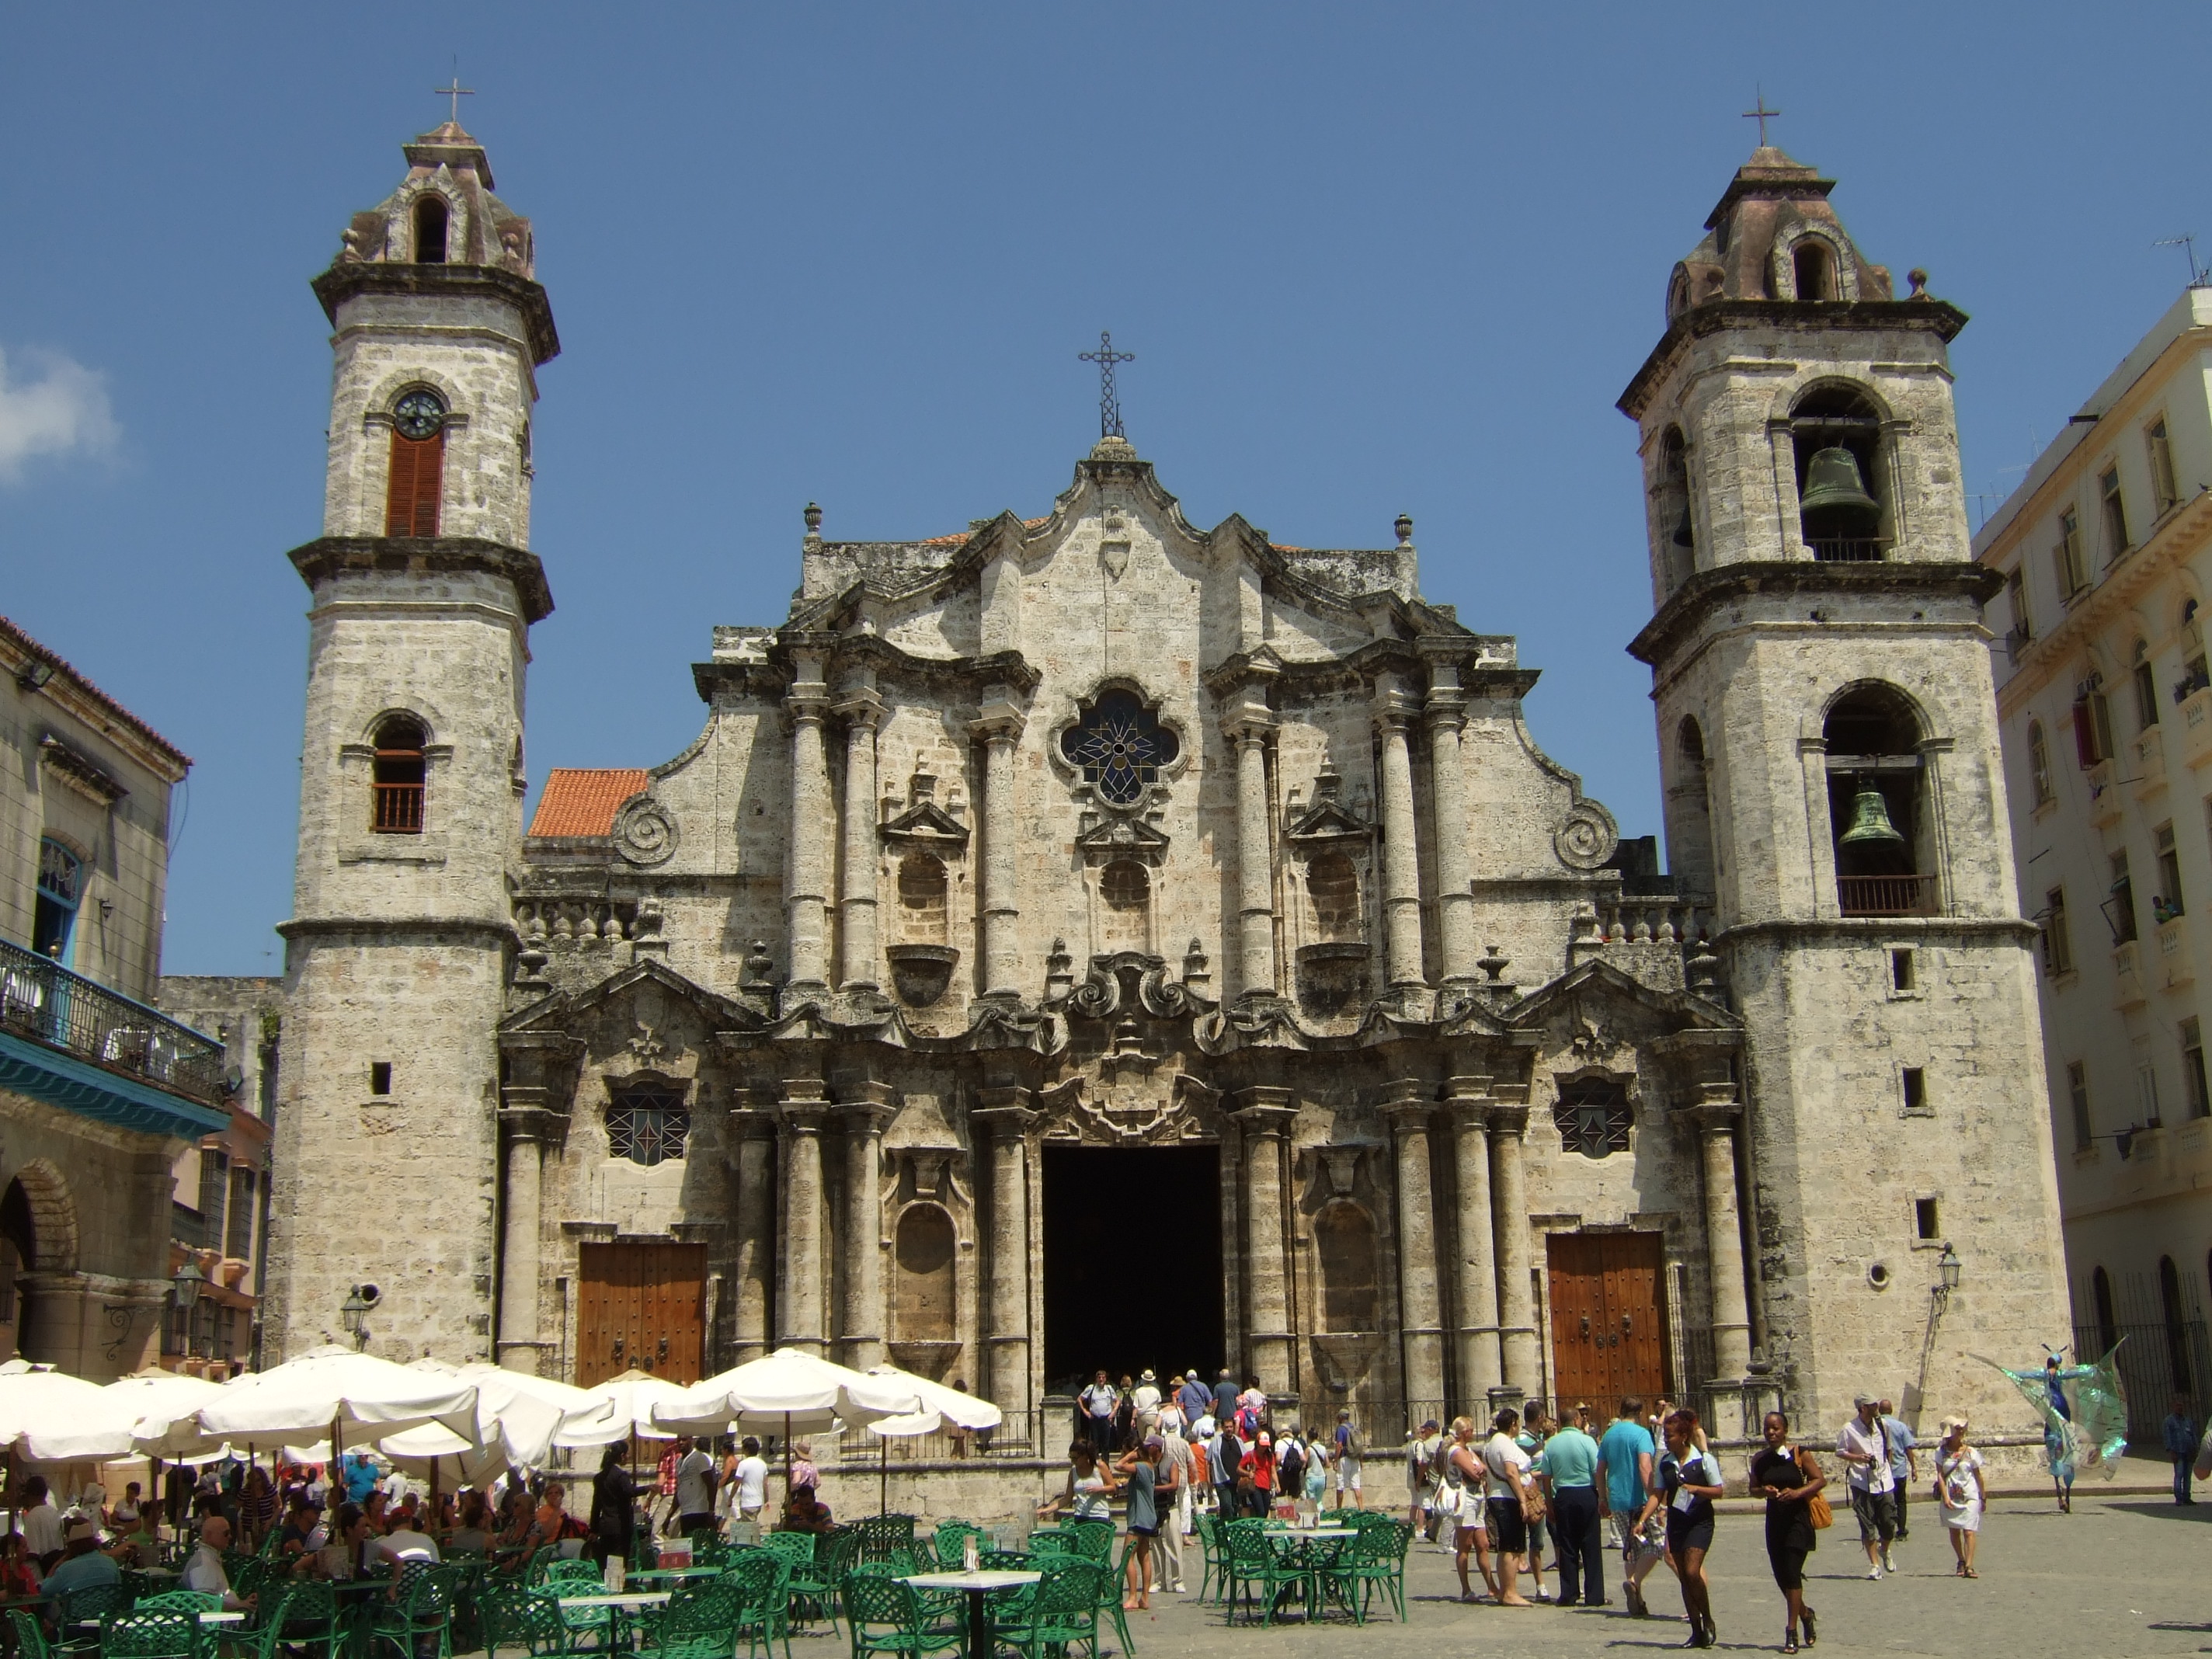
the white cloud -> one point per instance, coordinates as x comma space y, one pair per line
62, 411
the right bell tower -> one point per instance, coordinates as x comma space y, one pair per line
1828, 737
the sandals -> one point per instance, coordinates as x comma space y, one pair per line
1790, 1643
1812, 1632
1970, 1573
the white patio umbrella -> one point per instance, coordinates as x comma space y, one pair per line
338, 1393
51, 1417
512, 1413
617, 1408
788, 1392
940, 1406
167, 1405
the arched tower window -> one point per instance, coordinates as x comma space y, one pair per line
1689, 812
921, 895
1814, 273
1837, 432
397, 776
1874, 805
416, 482
431, 222
61, 889
1333, 884
1678, 552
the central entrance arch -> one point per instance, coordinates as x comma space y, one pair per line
1132, 1270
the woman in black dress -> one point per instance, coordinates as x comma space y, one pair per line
613, 1507
1787, 1478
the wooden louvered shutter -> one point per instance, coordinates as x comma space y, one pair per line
2085, 735
411, 501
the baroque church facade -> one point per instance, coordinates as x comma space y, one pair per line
1090, 939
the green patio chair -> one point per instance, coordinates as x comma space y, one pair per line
950, 1546
311, 1618
1211, 1553
1063, 1611
1374, 1557
518, 1618
81, 1612
30, 1634
882, 1615
178, 1600
261, 1635
757, 1585
1252, 1564
165, 1633
1095, 1539
702, 1620
422, 1610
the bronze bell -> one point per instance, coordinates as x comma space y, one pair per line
1833, 487
1870, 824
1682, 530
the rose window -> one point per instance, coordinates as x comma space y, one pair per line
1119, 748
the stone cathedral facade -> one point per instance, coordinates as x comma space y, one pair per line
1091, 939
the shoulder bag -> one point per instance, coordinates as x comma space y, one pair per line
1816, 1507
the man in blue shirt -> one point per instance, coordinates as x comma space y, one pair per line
81, 1565
1194, 1397
1904, 1466
1224, 1398
2179, 1431
1624, 1481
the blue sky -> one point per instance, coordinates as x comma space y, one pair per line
1371, 258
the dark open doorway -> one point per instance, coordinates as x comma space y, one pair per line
1131, 1261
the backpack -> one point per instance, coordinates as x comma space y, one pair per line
1291, 1469
1246, 1423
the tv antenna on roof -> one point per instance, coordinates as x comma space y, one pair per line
2198, 275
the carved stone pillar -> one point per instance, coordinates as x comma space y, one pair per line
1731, 1312
755, 1163
1255, 875
865, 1108
1264, 1115
999, 725
1401, 870
859, 956
1446, 712
1474, 1275
1004, 1116
806, 855
798, 1303
1420, 1310
1509, 1198
522, 1216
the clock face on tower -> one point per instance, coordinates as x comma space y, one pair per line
418, 415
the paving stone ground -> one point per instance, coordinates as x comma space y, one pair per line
2123, 1575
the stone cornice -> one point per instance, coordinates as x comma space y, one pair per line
891, 663
1859, 930
327, 556
476, 930
343, 282
1666, 632
1938, 317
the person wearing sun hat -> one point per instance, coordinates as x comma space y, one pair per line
1144, 1403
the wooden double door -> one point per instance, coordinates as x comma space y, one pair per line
641, 1307
1608, 1318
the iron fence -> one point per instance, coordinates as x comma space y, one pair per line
2156, 1361
43, 1000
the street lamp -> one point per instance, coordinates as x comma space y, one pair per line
1947, 1265
353, 1314
184, 1290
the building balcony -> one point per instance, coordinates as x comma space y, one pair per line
2149, 768
1887, 896
2177, 964
1849, 549
2196, 713
82, 1047
2105, 802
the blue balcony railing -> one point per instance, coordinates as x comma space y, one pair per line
45, 1002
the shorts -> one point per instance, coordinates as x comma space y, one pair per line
1633, 1542
1538, 1535
1685, 1534
1877, 1514
1144, 1532
1509, 1530
1347, 1474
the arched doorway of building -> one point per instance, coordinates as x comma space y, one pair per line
1133, 1272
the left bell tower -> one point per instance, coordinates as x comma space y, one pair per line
423, 590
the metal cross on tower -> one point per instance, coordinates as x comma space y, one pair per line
456, 92
1110, 401
1761, 114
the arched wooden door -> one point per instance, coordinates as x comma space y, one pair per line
1608, 1320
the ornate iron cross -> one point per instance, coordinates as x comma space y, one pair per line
1760, 113
1110, 401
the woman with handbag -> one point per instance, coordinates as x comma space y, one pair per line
1960, 1492
1460, 1503
1506, 1488
1791, 1482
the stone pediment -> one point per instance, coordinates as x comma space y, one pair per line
1329, 820
564, 1010
1122, 838
1598, 983
925, 823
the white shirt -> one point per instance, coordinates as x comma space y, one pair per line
692, 1494
752, 1483
204, 1573
1501, 1464
1145, 1398
408, 1545
42, 1528
1868, 1443
1100, 1399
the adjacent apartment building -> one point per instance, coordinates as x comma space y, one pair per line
2106, 707
100, 1095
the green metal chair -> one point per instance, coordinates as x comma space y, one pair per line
260, 1636
815, 1586
1252, 1564
311, 1618
760, 1582
424, 1608
884, 1616
30, 1634
165, 1633
181, 1601
1063, 1611
541, 1558
702, 1620
1213, 1554
1095, 1539
82, 1612
949, 1542
515, 1617
1375, 1556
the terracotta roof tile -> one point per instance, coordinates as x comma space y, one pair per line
582, 800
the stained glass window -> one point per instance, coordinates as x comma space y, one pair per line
1594, 1116
1119, 748
649, 1126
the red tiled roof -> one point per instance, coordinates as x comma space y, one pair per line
582, 800
30, 647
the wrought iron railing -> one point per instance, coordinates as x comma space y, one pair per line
45, 1002
2156, 1362
398, 809
1849, 549
1885, 895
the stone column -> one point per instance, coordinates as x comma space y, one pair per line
521, 1217
1004, 1116
1401, 870
859, 958
999, 727
1446, 712
1509, 1197
1406, 1108
1255, 874
806, 856
865, 1108
1264, 1114
1731, 1309
798, 1309
755, 1163
1475, 1268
